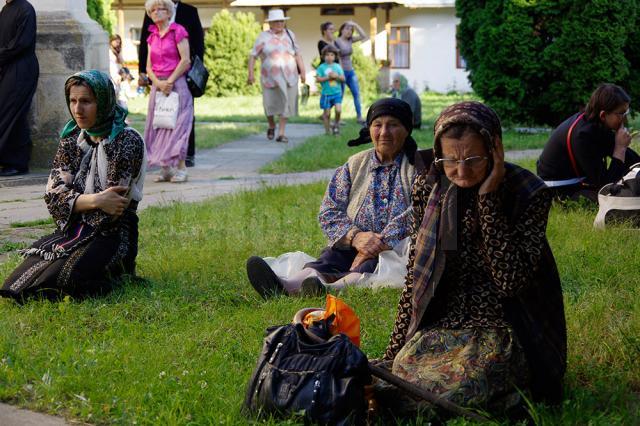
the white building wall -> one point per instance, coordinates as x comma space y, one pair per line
433, 43
433, 49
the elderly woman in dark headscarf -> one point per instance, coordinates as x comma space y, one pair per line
92, 194
365, 208
481, 315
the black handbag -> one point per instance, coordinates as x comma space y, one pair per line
197, 77
322, 382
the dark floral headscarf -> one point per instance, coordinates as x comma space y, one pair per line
475, 114
110, 116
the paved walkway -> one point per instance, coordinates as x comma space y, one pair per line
228, 168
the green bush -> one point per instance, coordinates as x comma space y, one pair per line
538, 62
227, 45
367, 72
100, 11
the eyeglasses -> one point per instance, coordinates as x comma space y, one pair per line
474, 161
159, 9
623, 114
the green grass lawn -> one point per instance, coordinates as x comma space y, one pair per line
179, 349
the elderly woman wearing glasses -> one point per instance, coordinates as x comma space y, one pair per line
481, 317
574, 160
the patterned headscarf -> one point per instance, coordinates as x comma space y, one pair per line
110, 116
475, 114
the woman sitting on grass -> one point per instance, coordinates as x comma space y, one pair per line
92, 194
364, 211
574, 160
481, 316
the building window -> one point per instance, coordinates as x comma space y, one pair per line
399, 44
134, 35
339, 11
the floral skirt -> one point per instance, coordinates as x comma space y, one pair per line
477, 367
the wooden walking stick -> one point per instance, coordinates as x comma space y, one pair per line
418, 392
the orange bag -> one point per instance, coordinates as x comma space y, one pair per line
345, 321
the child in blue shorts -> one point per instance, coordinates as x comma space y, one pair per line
330, 76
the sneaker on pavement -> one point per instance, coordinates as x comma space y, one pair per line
263, 279
312, 287
180, 176
164, 175
190, 161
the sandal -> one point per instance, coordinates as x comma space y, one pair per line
164, 175
180, 176
271, 132
282, 138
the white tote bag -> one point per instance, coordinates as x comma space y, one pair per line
165, 113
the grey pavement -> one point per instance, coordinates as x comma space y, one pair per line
12, 416
231, 167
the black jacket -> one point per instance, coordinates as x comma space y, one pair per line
591, 144
187, 16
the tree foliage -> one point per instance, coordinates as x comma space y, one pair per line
537, 61
100, 11
227, 45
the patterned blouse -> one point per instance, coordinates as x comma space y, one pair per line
384, 209
277, 54
494, 261
71, 165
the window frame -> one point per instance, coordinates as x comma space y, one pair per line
391, 43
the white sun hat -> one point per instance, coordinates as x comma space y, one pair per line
276, 15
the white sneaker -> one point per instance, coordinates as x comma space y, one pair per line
164, 175
180, 176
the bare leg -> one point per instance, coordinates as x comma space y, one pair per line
338, 113
283, 123
326, 118
271, 121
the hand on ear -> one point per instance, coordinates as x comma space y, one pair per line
496, 174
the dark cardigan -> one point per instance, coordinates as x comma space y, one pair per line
536, 313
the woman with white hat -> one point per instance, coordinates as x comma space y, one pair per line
281, 65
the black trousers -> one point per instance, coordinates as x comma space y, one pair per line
16, 153
191, 150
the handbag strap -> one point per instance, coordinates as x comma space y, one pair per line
572, 159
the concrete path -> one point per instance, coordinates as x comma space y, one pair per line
227, 168
12, 416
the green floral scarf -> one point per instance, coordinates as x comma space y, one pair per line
110, 116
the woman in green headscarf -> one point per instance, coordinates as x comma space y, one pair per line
400, 90
92, 194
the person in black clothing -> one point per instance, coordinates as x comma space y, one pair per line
187, 16
19, 73
327, 29
596, 134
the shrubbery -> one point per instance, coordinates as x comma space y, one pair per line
227, 45
538, 62
367, 72
100, 11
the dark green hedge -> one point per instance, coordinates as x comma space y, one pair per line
538, 61
227, 45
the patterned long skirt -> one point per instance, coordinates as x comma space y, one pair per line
477, 368
91, 267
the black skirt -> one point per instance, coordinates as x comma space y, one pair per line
334, 264
91, 267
